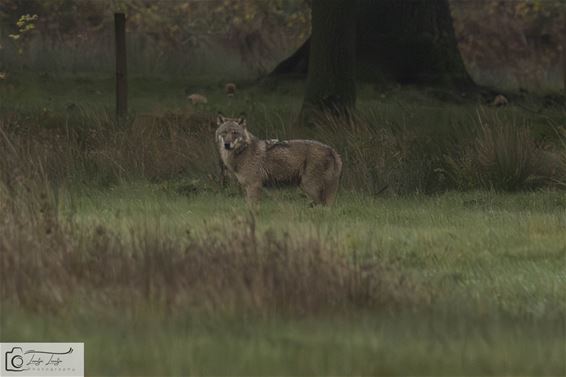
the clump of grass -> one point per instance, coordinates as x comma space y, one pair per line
370, 150
380, 157
94, 150
158, 147
497, 154
505, 157
559, 158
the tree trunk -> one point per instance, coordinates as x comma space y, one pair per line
296, 64
121, 65
331, 82
404, 41
564, 62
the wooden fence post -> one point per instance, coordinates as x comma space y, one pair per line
121, 65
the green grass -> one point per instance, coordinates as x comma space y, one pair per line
475, 242
133, 344
497, 261
412, 107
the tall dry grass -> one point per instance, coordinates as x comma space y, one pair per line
490, 153
506, 157
49, 264
89, 148
380, 158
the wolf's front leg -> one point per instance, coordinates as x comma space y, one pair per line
222, 173
253, 194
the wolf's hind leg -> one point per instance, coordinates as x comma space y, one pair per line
313, 189
329, 192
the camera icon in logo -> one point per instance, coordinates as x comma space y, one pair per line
14, 360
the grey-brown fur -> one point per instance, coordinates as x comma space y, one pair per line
313, 166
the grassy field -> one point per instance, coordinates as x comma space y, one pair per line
487, 292
122, 238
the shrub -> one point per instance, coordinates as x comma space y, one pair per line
380, 157
504, 157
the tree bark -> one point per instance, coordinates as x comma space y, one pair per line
564, 63
121, 65
296, 64
404, 41
331, 82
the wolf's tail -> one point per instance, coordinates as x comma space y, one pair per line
337, 165
332, 179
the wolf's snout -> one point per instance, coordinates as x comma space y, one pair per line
227, 146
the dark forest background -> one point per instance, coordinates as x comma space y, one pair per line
504, 44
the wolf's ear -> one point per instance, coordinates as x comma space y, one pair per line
220, 119
242, 120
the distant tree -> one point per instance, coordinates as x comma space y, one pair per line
409, 42
256, 30
331, 79
517, 42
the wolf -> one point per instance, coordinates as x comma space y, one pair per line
314, 167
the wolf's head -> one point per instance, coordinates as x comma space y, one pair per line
232, 133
